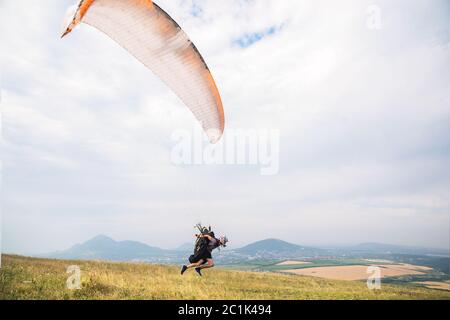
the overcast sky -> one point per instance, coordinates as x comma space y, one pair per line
363, 112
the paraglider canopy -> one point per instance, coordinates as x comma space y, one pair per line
149, 34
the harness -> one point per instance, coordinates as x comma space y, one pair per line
202, 243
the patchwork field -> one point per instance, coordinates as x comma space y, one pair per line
358, 272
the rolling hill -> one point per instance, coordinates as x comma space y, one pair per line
270, 247
105, 248
383, 248
185, 247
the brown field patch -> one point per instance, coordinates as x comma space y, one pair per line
358, 272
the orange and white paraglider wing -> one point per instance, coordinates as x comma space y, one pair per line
154, 38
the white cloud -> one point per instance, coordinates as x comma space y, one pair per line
363, 116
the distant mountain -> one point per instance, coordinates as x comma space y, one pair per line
104, 248
379, 247
185, 247
276, 247
382, 248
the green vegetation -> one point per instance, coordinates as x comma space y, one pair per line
30, 278
313, 263
416, 279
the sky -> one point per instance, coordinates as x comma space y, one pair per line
359, 92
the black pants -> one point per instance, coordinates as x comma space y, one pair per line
202, 254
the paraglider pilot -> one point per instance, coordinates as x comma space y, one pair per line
202, 257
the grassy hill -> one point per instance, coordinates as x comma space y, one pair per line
277, 246
31, 278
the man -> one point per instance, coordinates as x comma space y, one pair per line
202, 258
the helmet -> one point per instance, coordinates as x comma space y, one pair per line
223, 241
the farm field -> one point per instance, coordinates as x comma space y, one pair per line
358, 272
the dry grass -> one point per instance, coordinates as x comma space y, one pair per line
29, 278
